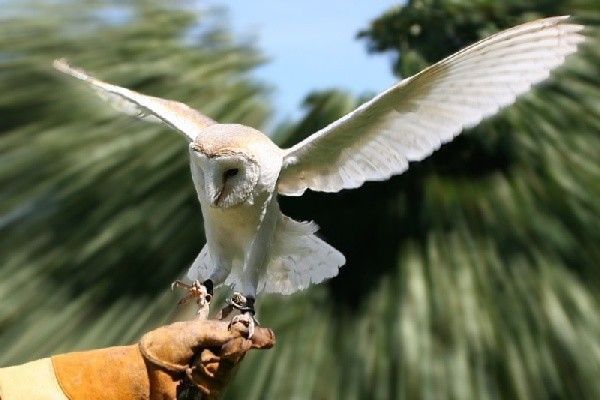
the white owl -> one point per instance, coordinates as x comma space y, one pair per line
238, 171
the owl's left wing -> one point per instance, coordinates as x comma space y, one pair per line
173, 114
413, 118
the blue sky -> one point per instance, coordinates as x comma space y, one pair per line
311, 45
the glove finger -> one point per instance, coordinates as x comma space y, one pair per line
263, 338
173, 346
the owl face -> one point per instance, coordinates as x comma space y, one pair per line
224, 179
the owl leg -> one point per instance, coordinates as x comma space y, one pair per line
256, 259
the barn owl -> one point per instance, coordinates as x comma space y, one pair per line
238, 172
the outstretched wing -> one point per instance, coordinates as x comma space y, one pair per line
413, 118
175, 115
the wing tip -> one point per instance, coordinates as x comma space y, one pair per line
62, 65
566, 20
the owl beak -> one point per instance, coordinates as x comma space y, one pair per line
216, 197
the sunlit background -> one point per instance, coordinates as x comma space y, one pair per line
475, 275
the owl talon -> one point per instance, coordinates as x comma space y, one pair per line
247, 320
201, 292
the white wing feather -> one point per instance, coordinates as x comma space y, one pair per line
175, 115
413, 118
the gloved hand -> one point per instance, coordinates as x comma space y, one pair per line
166, 361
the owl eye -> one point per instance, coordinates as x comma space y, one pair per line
230, 173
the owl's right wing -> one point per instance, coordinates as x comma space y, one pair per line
173, 114
413, 118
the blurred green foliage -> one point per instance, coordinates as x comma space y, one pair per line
473, 275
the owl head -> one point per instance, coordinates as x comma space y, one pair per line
228, 165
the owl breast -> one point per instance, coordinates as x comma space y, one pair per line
230, 231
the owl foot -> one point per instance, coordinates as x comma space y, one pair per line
202, 292
248, 320
245, 305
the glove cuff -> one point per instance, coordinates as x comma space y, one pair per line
33, 380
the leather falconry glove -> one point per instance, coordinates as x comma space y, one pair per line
168, 363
